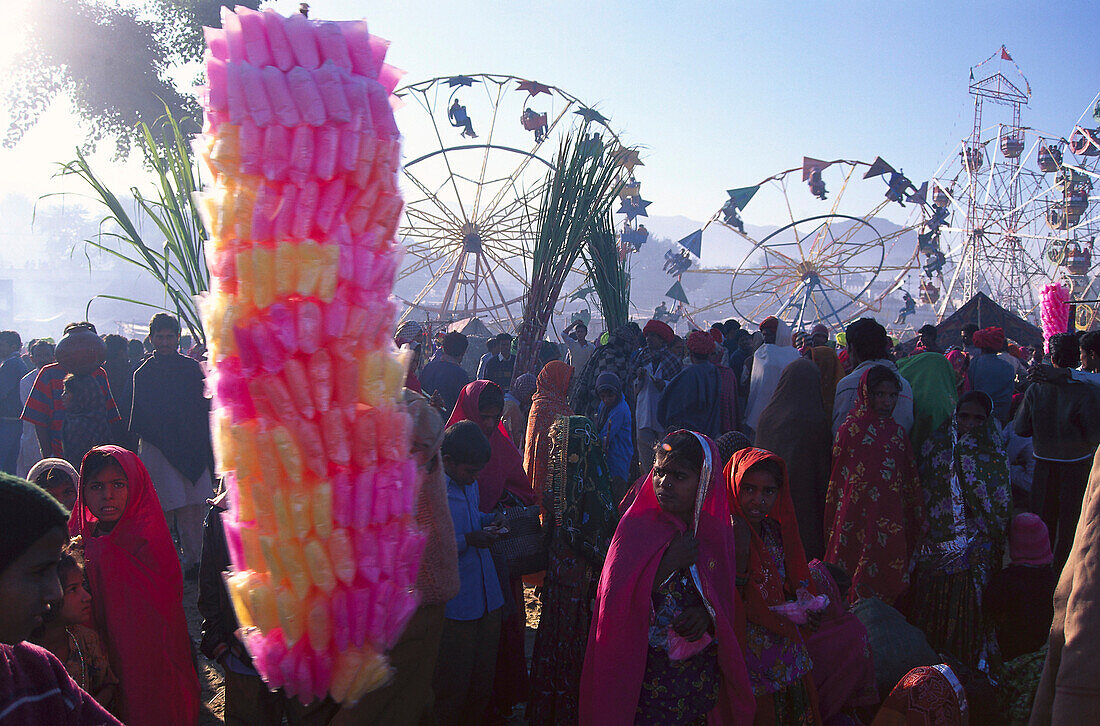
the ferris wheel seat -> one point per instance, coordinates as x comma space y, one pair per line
1050, 158
973, 157
1012, 146
533, 121
1085, 142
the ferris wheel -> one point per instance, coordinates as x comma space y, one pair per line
834, 258
1012, 207
478, 149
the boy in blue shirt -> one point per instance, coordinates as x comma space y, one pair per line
615, 425
464, 672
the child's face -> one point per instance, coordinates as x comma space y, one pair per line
462, 474
63, 489
676, 485
106, 494
969, 417
610, 397
28, 586
76, 601
884, 398
759, 490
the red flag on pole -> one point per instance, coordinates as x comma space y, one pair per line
1004, 54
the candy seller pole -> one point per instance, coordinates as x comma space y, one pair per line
301, 143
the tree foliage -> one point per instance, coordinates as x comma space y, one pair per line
113, 62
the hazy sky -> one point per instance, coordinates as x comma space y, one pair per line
722, 94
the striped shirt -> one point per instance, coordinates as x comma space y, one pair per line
44, 404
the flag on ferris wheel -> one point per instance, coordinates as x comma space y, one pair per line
1005, 55
676, 292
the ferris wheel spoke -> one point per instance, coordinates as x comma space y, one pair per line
518, 171
446, 157
431, 196
488, 144
506, 266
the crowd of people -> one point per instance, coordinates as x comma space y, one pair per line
740, 526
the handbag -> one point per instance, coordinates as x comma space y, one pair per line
523, 546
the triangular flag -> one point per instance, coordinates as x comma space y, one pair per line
971, 74
1004, 54
676, 292
740, 197
878, 168
809, 165
921, 195
693, 243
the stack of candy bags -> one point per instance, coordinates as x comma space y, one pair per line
1054, 310
301, 142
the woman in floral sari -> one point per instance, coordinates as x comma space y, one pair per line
581, 519
874, 510
967, 493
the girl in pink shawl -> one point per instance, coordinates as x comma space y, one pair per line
664, 644
483, 403
137, 589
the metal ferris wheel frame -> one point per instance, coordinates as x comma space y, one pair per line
815, 268
470, 220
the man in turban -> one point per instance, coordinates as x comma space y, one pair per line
768, 363
655, 365
690, 401
992, 374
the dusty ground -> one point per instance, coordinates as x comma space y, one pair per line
210, 673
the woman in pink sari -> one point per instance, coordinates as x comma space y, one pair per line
137, 589
483, 403
664, 645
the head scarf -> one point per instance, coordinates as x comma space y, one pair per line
769, 323
832, 370
989, 339
137, 594
46, 465
661, 329
504, 472
609, 380
616, 357
614, 663
926, 695
874, 510
524, 386
977, 461
409, 332
795, 427
437, 579
935, 391
729, 444
549, 402
27, 512
581, 502
765, 587
700, 343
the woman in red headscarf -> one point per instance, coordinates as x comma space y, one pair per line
550, 401
483, 403
663, 647
137, 589
874, 510
774, 572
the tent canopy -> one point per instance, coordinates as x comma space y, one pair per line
984, 313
